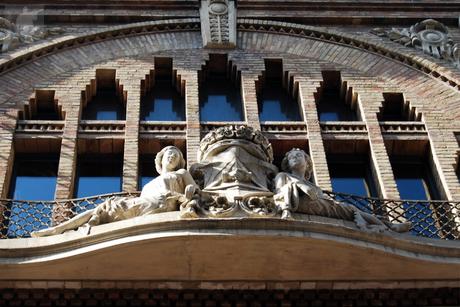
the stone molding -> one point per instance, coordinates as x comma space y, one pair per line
413, 61
57, 257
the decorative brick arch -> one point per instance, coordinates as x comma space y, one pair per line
46, 64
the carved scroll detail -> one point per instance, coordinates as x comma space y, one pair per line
12, 36
429, 36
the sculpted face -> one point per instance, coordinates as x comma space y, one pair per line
296, 160
171, 159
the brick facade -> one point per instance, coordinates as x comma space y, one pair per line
369, 66
370, 75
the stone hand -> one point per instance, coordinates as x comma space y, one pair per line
190, 191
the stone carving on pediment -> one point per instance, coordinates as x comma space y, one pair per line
234, 177
429, 36
12, 35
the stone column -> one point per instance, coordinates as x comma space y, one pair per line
192, 111
68, 154
315, 140
249, 96
8, 119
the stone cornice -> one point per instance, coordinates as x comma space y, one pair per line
44, 258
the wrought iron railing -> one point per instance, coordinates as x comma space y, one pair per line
18, 218
432, 219
429, 218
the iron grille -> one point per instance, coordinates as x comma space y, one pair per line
432, 219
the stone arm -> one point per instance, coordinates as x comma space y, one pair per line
190, 186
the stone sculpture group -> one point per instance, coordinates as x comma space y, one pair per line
234, 177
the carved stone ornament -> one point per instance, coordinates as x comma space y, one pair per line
430, 36
234, 177
11, 35
218, 23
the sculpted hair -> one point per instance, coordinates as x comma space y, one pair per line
285, 163
159, 158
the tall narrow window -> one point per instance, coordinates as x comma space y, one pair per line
220, 92
396, 108
274, 101
43, 106
351, 174
147, 171
104, 99
162, 101
34, 177
416, 182
98, 174
335, 101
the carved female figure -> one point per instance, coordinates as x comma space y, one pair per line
173, 188
296, 194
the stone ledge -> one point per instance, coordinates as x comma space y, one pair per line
164, 247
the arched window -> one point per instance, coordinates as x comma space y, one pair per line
274, 101
351, 170
396, 108
161, 99
335, 101
104, 98
43, 106
220, 91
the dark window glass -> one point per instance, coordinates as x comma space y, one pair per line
276, 105
332, 103
163, 103
353, 177
147, 170
105, 105
393, 108
332, 108
34, 177
220, 100
415, 182
98, 175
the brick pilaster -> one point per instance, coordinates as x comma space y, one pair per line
372, 99
131, 145
249, 97
68, 155
7, 127
192, 111
315, 141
